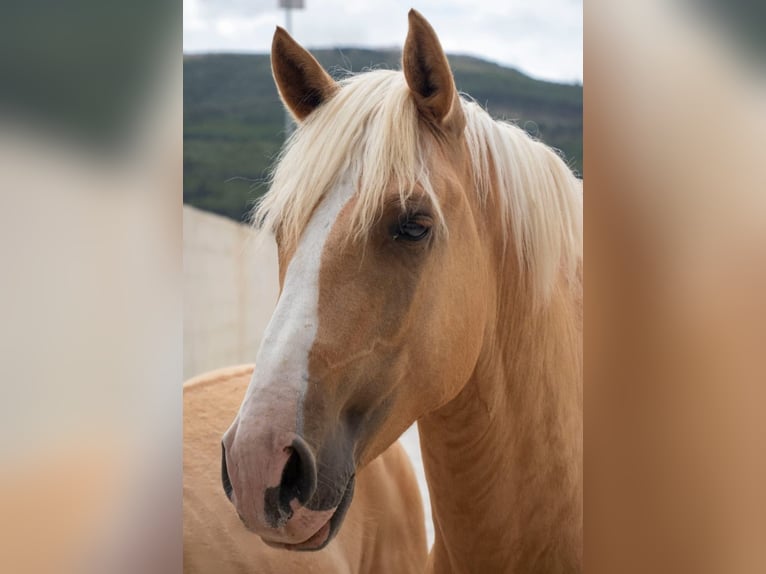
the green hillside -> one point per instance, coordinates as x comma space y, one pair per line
234, 121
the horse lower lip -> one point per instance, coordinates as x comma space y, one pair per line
314, 540
304, 544
318, 538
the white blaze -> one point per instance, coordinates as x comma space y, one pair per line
283, 356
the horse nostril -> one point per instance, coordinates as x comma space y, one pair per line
225, 473
299, 476
290, 485
299, 481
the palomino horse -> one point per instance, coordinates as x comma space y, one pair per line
430, 270
384, 529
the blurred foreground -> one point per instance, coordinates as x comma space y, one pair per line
90, 308
675, 215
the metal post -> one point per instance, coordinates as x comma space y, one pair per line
289, 124
289, 20
288, 5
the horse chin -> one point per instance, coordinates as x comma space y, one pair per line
327, 531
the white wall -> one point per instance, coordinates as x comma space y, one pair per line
230, 289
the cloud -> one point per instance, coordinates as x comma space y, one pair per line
543, 39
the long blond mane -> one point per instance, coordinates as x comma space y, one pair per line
370, 131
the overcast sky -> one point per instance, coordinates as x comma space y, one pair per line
543, 38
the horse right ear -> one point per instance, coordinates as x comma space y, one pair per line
429, 77
302, 82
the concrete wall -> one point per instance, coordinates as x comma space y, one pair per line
230, 289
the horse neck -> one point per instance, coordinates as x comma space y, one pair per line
504, 458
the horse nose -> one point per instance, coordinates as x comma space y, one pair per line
298, 481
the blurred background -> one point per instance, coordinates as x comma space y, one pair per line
522, 61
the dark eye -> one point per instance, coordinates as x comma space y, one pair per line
412, 229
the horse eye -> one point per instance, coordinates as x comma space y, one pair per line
411, 230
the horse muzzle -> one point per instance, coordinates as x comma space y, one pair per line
271, 479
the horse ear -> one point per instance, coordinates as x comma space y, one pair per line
302, 82
429, 76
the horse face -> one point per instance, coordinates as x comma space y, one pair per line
368, 335
400, 317
366, 338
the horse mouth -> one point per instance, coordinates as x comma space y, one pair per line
327, 531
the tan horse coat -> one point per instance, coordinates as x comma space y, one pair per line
383, 532
430, 267
460, 307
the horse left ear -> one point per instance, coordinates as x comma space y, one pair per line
429, 77
302, 82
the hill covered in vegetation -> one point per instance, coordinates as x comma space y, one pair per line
234, 122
